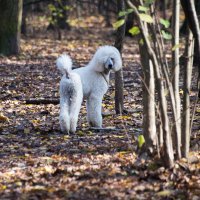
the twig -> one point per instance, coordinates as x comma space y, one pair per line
108, 129
193, 112
42, 101
106, 114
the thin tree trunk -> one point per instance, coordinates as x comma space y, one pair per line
119, 86
160, 130
191, 15
78, 9
24, 24
149, 119
10, 26
159, 54
186, 96
164, 9
176, 71
107, 14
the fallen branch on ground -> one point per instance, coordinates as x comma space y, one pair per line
108, 129
42, 101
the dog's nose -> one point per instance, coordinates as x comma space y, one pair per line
109, 63
110, 66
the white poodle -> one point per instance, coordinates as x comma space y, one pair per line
90, 82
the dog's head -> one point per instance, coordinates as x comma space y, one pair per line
107, 58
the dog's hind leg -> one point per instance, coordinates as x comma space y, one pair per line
74, 112
94, 116
64, 118
74, 120
75, 107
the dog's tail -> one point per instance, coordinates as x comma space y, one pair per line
64, 64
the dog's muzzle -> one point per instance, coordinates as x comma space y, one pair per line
109, 63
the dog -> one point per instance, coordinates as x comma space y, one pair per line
90, 82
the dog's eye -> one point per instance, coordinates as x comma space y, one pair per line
113, 60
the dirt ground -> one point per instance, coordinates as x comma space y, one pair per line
37, 161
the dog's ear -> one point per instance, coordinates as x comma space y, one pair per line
115, 54
98, 60
99, 67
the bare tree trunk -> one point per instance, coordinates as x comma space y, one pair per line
164, 9
186, 129
107, 13
160, 131
10, 26
149, 119
191, 15
78, 9
176, 71
24, 24
119, 86
119, 95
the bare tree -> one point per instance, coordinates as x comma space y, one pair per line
149, 115
191, 15
186, 124
176, 72
10, 20
119, 86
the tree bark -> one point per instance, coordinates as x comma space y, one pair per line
149, 119
119, 85
10, 26
191, 15
24, 25
176, 72
186, 129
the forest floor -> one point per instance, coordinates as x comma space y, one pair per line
37, 161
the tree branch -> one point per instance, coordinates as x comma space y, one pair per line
42, 101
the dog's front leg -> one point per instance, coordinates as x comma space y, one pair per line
94, 116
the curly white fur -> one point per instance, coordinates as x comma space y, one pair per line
70, 89
90, 81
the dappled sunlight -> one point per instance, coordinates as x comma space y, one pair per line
87, 22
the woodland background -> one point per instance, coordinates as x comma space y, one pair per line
37, 161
